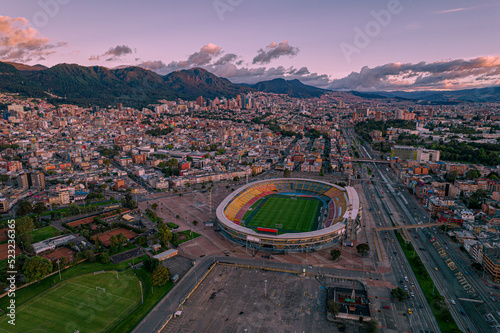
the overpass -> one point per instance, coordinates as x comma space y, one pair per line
369, 160
415, 226
404, 233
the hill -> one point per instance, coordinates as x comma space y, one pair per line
292, 88
196, 82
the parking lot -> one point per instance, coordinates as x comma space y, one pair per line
233, 299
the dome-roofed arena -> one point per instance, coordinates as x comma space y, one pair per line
288, 214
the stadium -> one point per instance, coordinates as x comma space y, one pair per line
289, 214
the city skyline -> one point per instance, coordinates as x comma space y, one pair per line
389, 45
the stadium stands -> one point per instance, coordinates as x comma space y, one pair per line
333, 196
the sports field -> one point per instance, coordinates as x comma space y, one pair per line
76, 305
285, 213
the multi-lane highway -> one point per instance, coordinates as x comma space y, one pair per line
462, 288
421, 318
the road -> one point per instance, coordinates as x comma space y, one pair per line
446, 265
421, 318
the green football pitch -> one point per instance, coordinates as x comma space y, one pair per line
285, 213
76, 305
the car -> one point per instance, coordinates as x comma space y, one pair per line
406, 278
453, 302
462, 312
436, 268
421, 306
445, 243
409, 311
386, 307
498, 313
395, 253
406, 288
402, 282
412, 284
493, 299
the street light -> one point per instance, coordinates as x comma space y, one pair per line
59, 266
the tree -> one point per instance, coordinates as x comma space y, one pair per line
121, 239
450, 177
160, 276
164, 235
472, 174
286, 173
195, 223
113, 240
150, 264
333, 307
141, 240
36, 268
154, 206
363, 248
105, 258
73, 209
335, 254
236, 179
39, 208
24, 227
372, 326
173, 163
89, 255
24, 208
480, 195
128, 202
107, 163
399, 293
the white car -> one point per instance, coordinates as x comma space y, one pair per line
453, 302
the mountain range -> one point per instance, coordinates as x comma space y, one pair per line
138, 87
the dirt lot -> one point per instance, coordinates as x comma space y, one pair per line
233, 299
104, 238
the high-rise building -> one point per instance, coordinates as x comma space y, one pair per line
430, 113
400, 114
200, 101
22, 181
37, 179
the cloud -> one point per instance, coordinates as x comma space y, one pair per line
449, 74
155, 65
20, 42
454, 10
253, 75
197, 59
227, 58
274, 51
114, 53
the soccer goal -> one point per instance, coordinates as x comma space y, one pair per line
99, 272
293, 198
100, 289
278, 225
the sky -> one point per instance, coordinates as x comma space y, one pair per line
365, 45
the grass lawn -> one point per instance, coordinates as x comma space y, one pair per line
443, 317
185, 236
75, 304
43, 234
28, 294
284, 213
